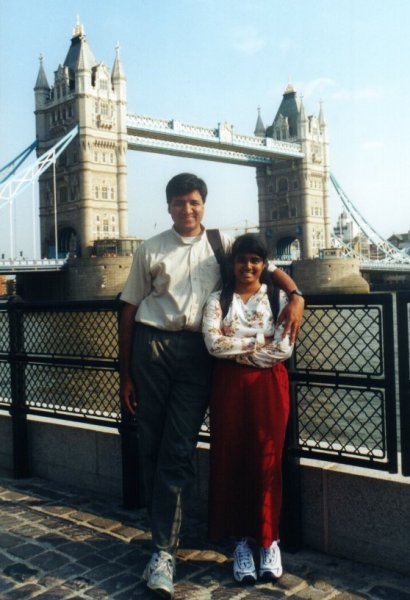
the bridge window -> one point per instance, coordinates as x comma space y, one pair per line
284, 212
96, 192
104, 193
103, 84
63, 195
283, 184
293, 211
106, 228
104, 109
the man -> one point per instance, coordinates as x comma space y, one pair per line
165, 369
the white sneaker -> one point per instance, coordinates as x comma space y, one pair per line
270, 566
243, 566
159, 574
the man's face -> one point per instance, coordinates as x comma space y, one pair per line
187, 212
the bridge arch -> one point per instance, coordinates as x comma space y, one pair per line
67, 241
288, 248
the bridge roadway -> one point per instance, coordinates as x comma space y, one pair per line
58, 542
221, 144
13, 267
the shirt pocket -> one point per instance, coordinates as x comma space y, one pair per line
210, 274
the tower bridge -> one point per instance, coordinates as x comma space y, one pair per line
83, 185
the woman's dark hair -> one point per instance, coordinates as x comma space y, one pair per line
249, 243
185, 183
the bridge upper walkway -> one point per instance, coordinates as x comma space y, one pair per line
221, 144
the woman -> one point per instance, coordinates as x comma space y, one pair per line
249, 410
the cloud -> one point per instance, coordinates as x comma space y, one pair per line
247, 41
356, 94
330, 89
316, 87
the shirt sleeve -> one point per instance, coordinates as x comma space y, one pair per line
138, 284
271, 266
218, 344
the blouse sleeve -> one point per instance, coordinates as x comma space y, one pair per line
217, 343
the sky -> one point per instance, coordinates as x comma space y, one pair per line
203, 62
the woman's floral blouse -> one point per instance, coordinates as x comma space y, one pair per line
240, 336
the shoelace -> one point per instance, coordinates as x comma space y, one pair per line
269, 555
243, 554
164, 566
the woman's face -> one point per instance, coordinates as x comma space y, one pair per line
248, 268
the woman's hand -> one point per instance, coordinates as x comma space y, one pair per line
292, 316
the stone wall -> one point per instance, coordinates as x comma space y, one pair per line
347, 512
84, 279
329, 276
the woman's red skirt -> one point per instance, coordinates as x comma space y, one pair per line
249, 411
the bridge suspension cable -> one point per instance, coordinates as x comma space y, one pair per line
8, 170
383, 247
13, 186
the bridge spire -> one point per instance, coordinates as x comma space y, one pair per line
41, 83
117, 73
259, 127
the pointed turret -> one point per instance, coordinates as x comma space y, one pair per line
322, 121
302, 120
117, 73
41, 83
79, 55
118, 79
259, 127
41, 95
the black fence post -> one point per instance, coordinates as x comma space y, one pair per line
403, 304
18, 409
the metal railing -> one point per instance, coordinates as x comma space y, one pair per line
61, 361
343, 380
403, 329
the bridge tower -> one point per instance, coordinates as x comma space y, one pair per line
87, 198
294, 195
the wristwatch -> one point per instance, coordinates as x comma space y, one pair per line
296, 292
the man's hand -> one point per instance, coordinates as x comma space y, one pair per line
128, 396
292, 317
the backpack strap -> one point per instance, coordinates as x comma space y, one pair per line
273, 292
214, 238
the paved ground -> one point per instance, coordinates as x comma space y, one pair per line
56, 542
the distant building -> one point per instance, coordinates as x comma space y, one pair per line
344, 228
91, 175
401, 241
293, 195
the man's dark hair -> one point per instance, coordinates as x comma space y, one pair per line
185, 183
